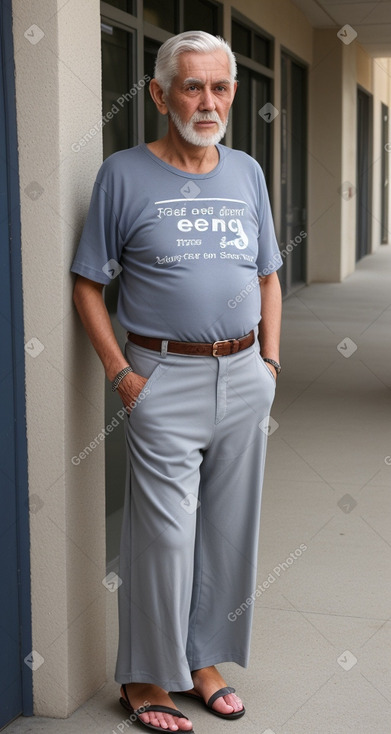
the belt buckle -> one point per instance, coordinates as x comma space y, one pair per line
223, 343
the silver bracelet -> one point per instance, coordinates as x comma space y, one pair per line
118, 378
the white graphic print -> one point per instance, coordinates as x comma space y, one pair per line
240, 242
191, 217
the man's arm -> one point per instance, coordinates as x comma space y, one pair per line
270, 325
88, 299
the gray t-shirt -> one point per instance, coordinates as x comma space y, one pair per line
187, 247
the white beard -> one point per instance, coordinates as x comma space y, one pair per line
188, 133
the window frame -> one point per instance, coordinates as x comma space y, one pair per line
127, 22
269, 71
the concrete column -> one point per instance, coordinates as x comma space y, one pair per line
58, 94
348, 202
332, 158
325, 143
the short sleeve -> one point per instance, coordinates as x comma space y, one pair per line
99, 252
269, 258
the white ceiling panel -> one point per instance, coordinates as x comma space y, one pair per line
371, 20
360, 13
315, 14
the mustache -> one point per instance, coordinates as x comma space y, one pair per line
206, 117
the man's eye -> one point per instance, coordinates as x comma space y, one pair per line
221, 88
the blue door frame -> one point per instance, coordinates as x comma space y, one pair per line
15, 604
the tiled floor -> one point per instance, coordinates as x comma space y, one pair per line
321, 642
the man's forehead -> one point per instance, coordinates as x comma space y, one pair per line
195, 65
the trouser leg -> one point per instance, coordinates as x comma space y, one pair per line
229, 514
165, 436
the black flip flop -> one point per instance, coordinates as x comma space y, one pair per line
144, 709
213, 698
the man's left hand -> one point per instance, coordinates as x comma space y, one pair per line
272, 370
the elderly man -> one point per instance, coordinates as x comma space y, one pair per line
185, 223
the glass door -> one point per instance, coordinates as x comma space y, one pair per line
364, 168
293, 172
250, 131
385, 148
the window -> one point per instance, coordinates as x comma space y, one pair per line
176, 16
202, 16
241, 39
248, 42
129, 6
163, 14
118, 63
155, 125
251, 132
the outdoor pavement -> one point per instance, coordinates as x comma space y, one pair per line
321, 660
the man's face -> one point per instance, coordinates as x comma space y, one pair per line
200, 97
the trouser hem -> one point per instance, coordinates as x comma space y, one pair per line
141, 677
217, 659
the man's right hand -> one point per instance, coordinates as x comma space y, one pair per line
130, 388
88, 298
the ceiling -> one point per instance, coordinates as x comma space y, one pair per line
371, 20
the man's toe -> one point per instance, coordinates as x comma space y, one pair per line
234, 701
185, 724
222, 706
161, 720
166, 722
228, 704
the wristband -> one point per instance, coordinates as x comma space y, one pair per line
275, 364
118, 378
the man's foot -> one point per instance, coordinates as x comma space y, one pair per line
140, 693
206, 682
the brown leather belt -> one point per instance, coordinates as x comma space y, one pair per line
217, 349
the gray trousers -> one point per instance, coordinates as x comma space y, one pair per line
189, 539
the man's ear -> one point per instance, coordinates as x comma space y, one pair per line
157, 95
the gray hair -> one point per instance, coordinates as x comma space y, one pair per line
166, 65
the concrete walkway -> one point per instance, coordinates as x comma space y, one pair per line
321, 660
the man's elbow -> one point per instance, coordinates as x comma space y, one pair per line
271, 279
77, 291
83, 288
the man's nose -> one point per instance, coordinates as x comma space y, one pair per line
207, 101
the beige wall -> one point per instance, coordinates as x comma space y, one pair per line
58, 92
325, 163
347, 235
364, 68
